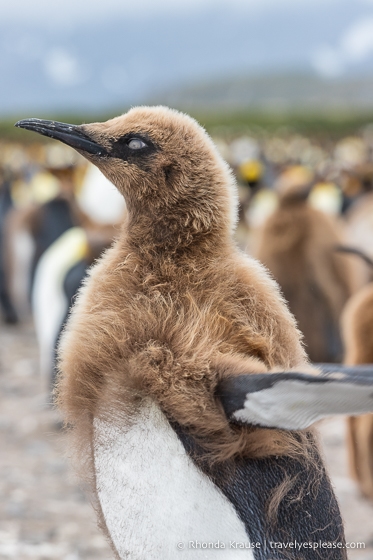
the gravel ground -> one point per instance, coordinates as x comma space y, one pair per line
43, 512
44, 515
357, 511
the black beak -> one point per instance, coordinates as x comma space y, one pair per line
69, 134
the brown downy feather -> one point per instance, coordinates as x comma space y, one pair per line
357, 324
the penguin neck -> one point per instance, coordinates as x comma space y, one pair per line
173, 237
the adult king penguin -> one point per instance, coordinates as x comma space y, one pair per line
192, 442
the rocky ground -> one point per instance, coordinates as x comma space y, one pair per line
357, 512
44, 515
43, 512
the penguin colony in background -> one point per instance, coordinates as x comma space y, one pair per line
170, 359
7, 309
298, 245
30, 231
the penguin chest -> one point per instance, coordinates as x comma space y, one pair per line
156, 503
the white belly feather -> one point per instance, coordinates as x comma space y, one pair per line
154, 497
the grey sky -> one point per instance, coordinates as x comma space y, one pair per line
68, 53
63, 11
328, 59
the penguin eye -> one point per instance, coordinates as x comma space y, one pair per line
136, 144
133, 146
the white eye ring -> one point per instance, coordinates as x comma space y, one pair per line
136, 144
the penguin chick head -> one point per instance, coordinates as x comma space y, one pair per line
162, 161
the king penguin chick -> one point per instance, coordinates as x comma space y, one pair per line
297, 244
170, 310
357, 329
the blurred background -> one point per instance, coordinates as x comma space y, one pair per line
285, 88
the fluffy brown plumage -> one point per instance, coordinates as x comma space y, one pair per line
297, 244
357, 323
173, 306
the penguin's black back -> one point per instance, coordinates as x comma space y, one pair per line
72, 282
6, 204
55, 218
308, 513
